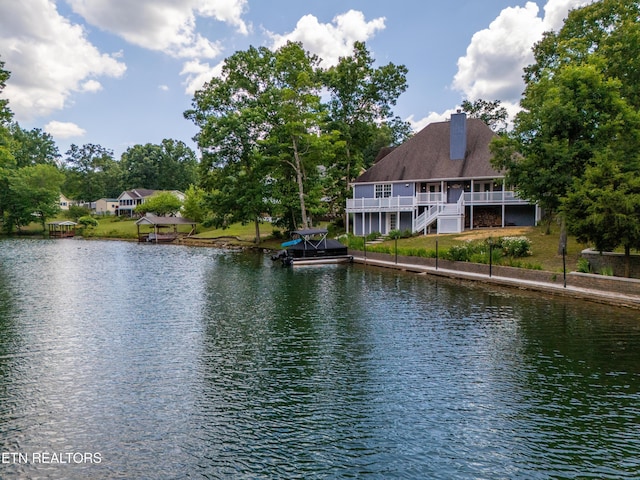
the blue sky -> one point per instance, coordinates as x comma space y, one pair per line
119, 72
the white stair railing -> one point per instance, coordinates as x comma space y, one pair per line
427, 217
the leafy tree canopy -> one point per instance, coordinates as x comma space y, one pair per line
32, 147
161, 204
579, 112
490, 112
88, 170
271, 146
35, 194
172, 165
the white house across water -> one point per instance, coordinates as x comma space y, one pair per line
130, 199
440, 180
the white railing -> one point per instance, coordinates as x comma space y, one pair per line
381, 204
460, 205
427, 217
480, 198
430, 199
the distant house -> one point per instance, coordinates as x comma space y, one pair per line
105, 206
65, 202
440, 180
130, 199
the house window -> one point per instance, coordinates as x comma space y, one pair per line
383, 190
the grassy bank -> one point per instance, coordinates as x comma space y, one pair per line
543, 246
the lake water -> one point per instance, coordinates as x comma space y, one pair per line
130, 361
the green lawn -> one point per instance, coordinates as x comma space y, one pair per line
544, 247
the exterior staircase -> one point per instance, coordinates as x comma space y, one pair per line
431, 215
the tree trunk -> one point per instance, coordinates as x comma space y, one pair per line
299, 179
43, 222
562, 244
627, 261
548, 220
257, 239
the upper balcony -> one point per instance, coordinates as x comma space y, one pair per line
387, 204
405, 204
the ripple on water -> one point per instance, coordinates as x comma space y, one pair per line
175, 362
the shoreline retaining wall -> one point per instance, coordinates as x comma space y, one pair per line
619, 285
616, 261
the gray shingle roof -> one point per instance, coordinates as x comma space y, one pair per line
425, 156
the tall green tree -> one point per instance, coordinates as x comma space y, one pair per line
5, 112
172, 165
295, 141
576, 96
604, 206
266, 133
32, 147
490, 112
161, 204
35, 195
178, 165
194, 205
7, 160
360, 112
261, 136
233, 117
88, 166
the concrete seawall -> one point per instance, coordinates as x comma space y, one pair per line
596, 288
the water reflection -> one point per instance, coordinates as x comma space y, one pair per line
180, 363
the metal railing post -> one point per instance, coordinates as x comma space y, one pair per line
564, 266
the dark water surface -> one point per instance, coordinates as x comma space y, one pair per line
120, 360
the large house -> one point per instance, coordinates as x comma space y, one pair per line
440, 180
105, 206
130, 199
65, 202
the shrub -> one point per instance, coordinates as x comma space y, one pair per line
515, 247
584, 266
354, 242
459, 253
372, 236
75, 212
88, 221
606, 271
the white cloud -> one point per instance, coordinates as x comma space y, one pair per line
49, 58
493, 65
330, 41
228, 11
417, 125
168, 26
198, 73
164, 88
91, 86
62, 130
556, 11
